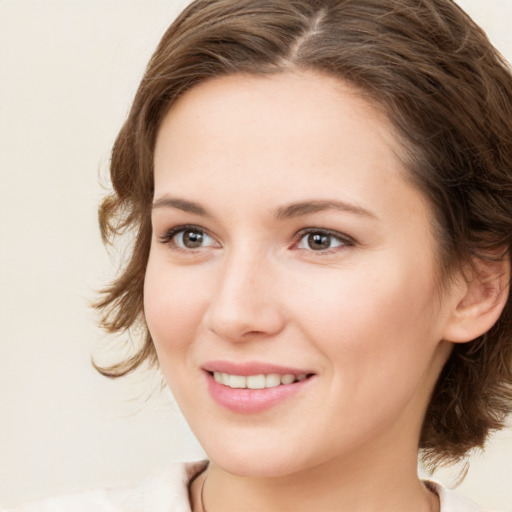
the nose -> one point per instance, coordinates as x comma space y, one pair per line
245, 304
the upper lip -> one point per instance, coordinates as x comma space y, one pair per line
252, 368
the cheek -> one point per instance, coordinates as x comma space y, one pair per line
173, 307
378, 341
361, 318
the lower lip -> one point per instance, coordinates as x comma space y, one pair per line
252, 400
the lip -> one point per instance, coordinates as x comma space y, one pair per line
252, 368
251, 401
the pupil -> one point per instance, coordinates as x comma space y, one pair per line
319, 241
192, 239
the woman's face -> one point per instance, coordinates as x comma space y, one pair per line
290, 255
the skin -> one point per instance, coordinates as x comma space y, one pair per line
365, 315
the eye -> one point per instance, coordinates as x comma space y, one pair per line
188, 237
322, 240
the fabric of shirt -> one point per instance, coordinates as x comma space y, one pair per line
166, 490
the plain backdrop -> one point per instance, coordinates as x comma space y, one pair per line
68, 71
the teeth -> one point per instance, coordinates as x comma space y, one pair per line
287, 379
272, 380
261, 381
256, 381
237, 381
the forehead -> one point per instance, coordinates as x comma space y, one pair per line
289, 134
282, 110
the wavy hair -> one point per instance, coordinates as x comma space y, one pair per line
448, 93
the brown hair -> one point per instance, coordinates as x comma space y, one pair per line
448, 93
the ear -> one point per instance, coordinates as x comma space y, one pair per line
479, 296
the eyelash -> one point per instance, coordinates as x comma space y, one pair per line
168, 237
344, 240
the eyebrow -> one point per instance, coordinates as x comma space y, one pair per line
310, 207
180, 204
285, 212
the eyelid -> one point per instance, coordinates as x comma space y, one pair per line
167, 237
346, 240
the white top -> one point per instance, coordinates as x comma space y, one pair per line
167, 491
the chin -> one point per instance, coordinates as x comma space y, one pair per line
256, 460
263, 468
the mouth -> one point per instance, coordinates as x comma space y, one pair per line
254, 387
260, 381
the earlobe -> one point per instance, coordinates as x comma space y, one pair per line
482, 295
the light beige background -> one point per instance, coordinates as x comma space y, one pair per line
68, 70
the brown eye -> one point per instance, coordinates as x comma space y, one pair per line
320, 240
192, 239
189, 238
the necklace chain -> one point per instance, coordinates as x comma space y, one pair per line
201, 494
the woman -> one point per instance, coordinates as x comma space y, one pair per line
321, 198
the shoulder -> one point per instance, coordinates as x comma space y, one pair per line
452, 501
164, 490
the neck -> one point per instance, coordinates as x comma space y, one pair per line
341, 486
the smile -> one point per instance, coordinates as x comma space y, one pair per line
261, 381
254, 387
